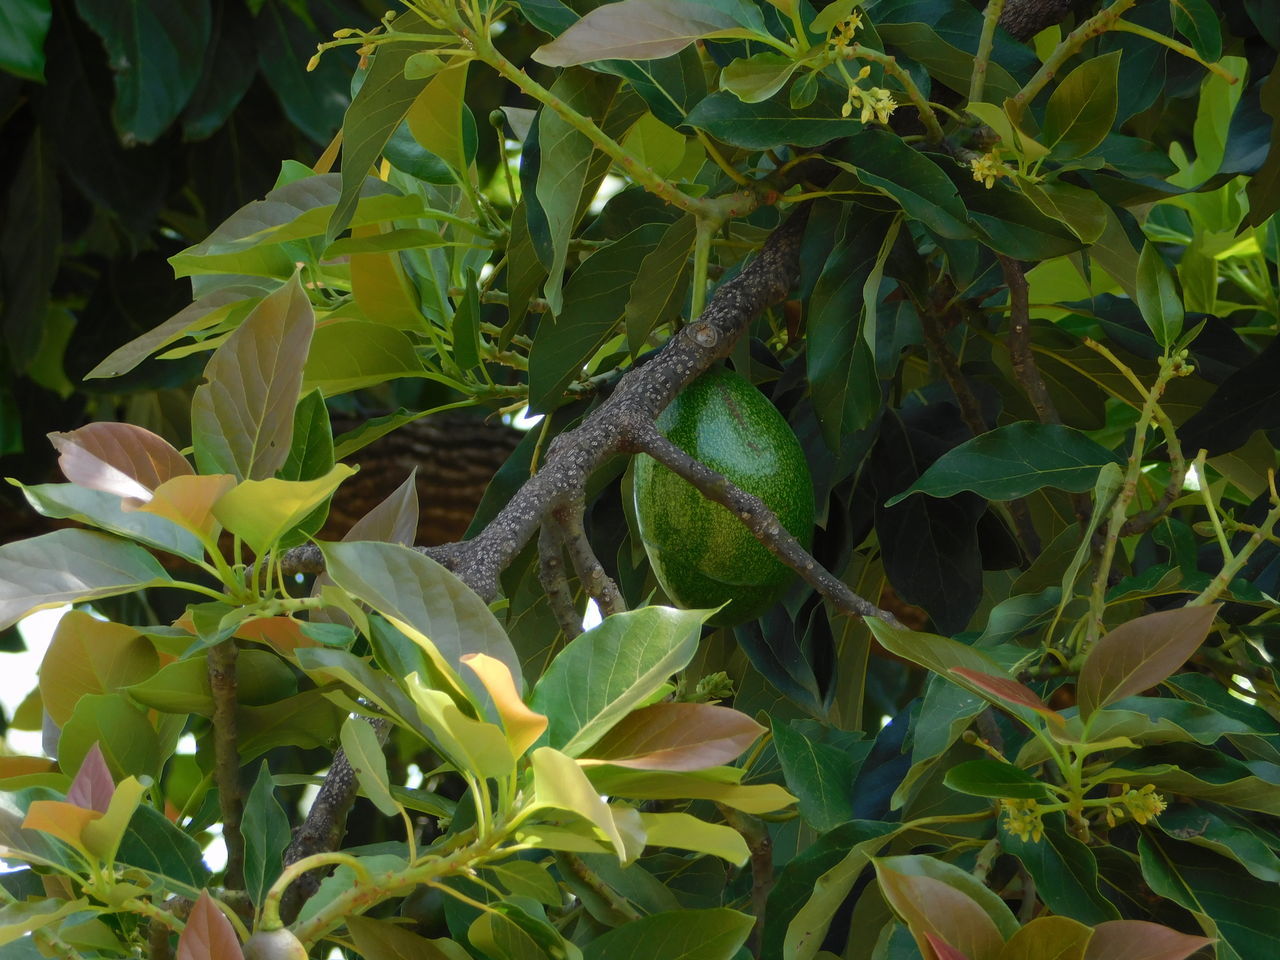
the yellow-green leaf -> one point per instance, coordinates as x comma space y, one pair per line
262, 511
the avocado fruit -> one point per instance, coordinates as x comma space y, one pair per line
702, 555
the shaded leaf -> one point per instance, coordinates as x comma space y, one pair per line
384, 940
1139, 940
360, 744
646, 30
931, 906
93, 786
1158, 297
266, 835
991, 778
715, 934
1014, 460
87, 656
1009, 691
1083, 107
23, 26
820, 775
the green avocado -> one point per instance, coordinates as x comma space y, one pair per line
701, 554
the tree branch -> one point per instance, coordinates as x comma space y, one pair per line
222, 684
554, 582
591, 573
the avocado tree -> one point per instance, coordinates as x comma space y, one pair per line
997, 285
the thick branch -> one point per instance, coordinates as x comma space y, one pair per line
222, 684
1025, 18
591, 573
761, 521
1024, 361
554, 582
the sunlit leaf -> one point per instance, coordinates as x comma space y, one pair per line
118, 458
686, 832
523, 726
677, 736
262, 511
560, 784
88, 656
364, 752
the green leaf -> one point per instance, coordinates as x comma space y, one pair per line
1140, 654
156, 51
881, 160
384, 940
90, 656
1064, 870
524, 878
820, 775
684, 831
377, 109
475, 747
1012, 461
661, 281
1198, 22
159, 848
1081, 210
720, 784
17, 920
758, 77
23, 26
70, 566
947, 63
991, 778
313, 101
808, 927
764, 125
349, 355
262, 511
648, 30
1083, 107
560, 784
128, 742
311, 452
1158, 297
360, 744
437, 119
596, 299
242, 416
715, 934
1049, 938
1225, 832
626, 658
424, 600
266, 835
66, 501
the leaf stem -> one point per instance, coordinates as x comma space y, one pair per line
990, 17
1176, 46
857, 51
1095, 26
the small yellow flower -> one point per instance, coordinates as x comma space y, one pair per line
987, 169
882, 103
1022, 819
842, 33
1143, 805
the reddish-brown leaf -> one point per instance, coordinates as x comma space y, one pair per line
208, 934
677, 736
1139, 940
118, 458
943, 950
1007, 690
1141, 653
931, 906
92, 788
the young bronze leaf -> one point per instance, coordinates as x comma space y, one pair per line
1049, 938
1139, 940
943, 950
208, 935
1141, 653
931, 906
92, 786
677, 736
638, 30
242, 415
118, 458
1009, 691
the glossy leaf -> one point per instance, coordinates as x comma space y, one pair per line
881, 160
627, 657
242, 416
677, 736
646, 30
1064, 869
1198, 22
1009, 691
686, 832
758, 77
384, 940
1158, 297
423, 600
1140, 654
1083, 107
715, 934
1012, 461
720, 784
472, 746
208, 935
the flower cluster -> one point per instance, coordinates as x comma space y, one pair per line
1141, 805
1022, 818
987, 168
842, 33
875, 103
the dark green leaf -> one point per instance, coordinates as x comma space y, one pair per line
1064, 870
991, 778
156, 50
946, 62
230, 66
159, 848
311, 453
596, 299
1225, 832
313, 101
676, 935
23, 26
881, 160
660, 283
820, 775
29, 247
1198, 22
764, 125
1010, 462
1158, 297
